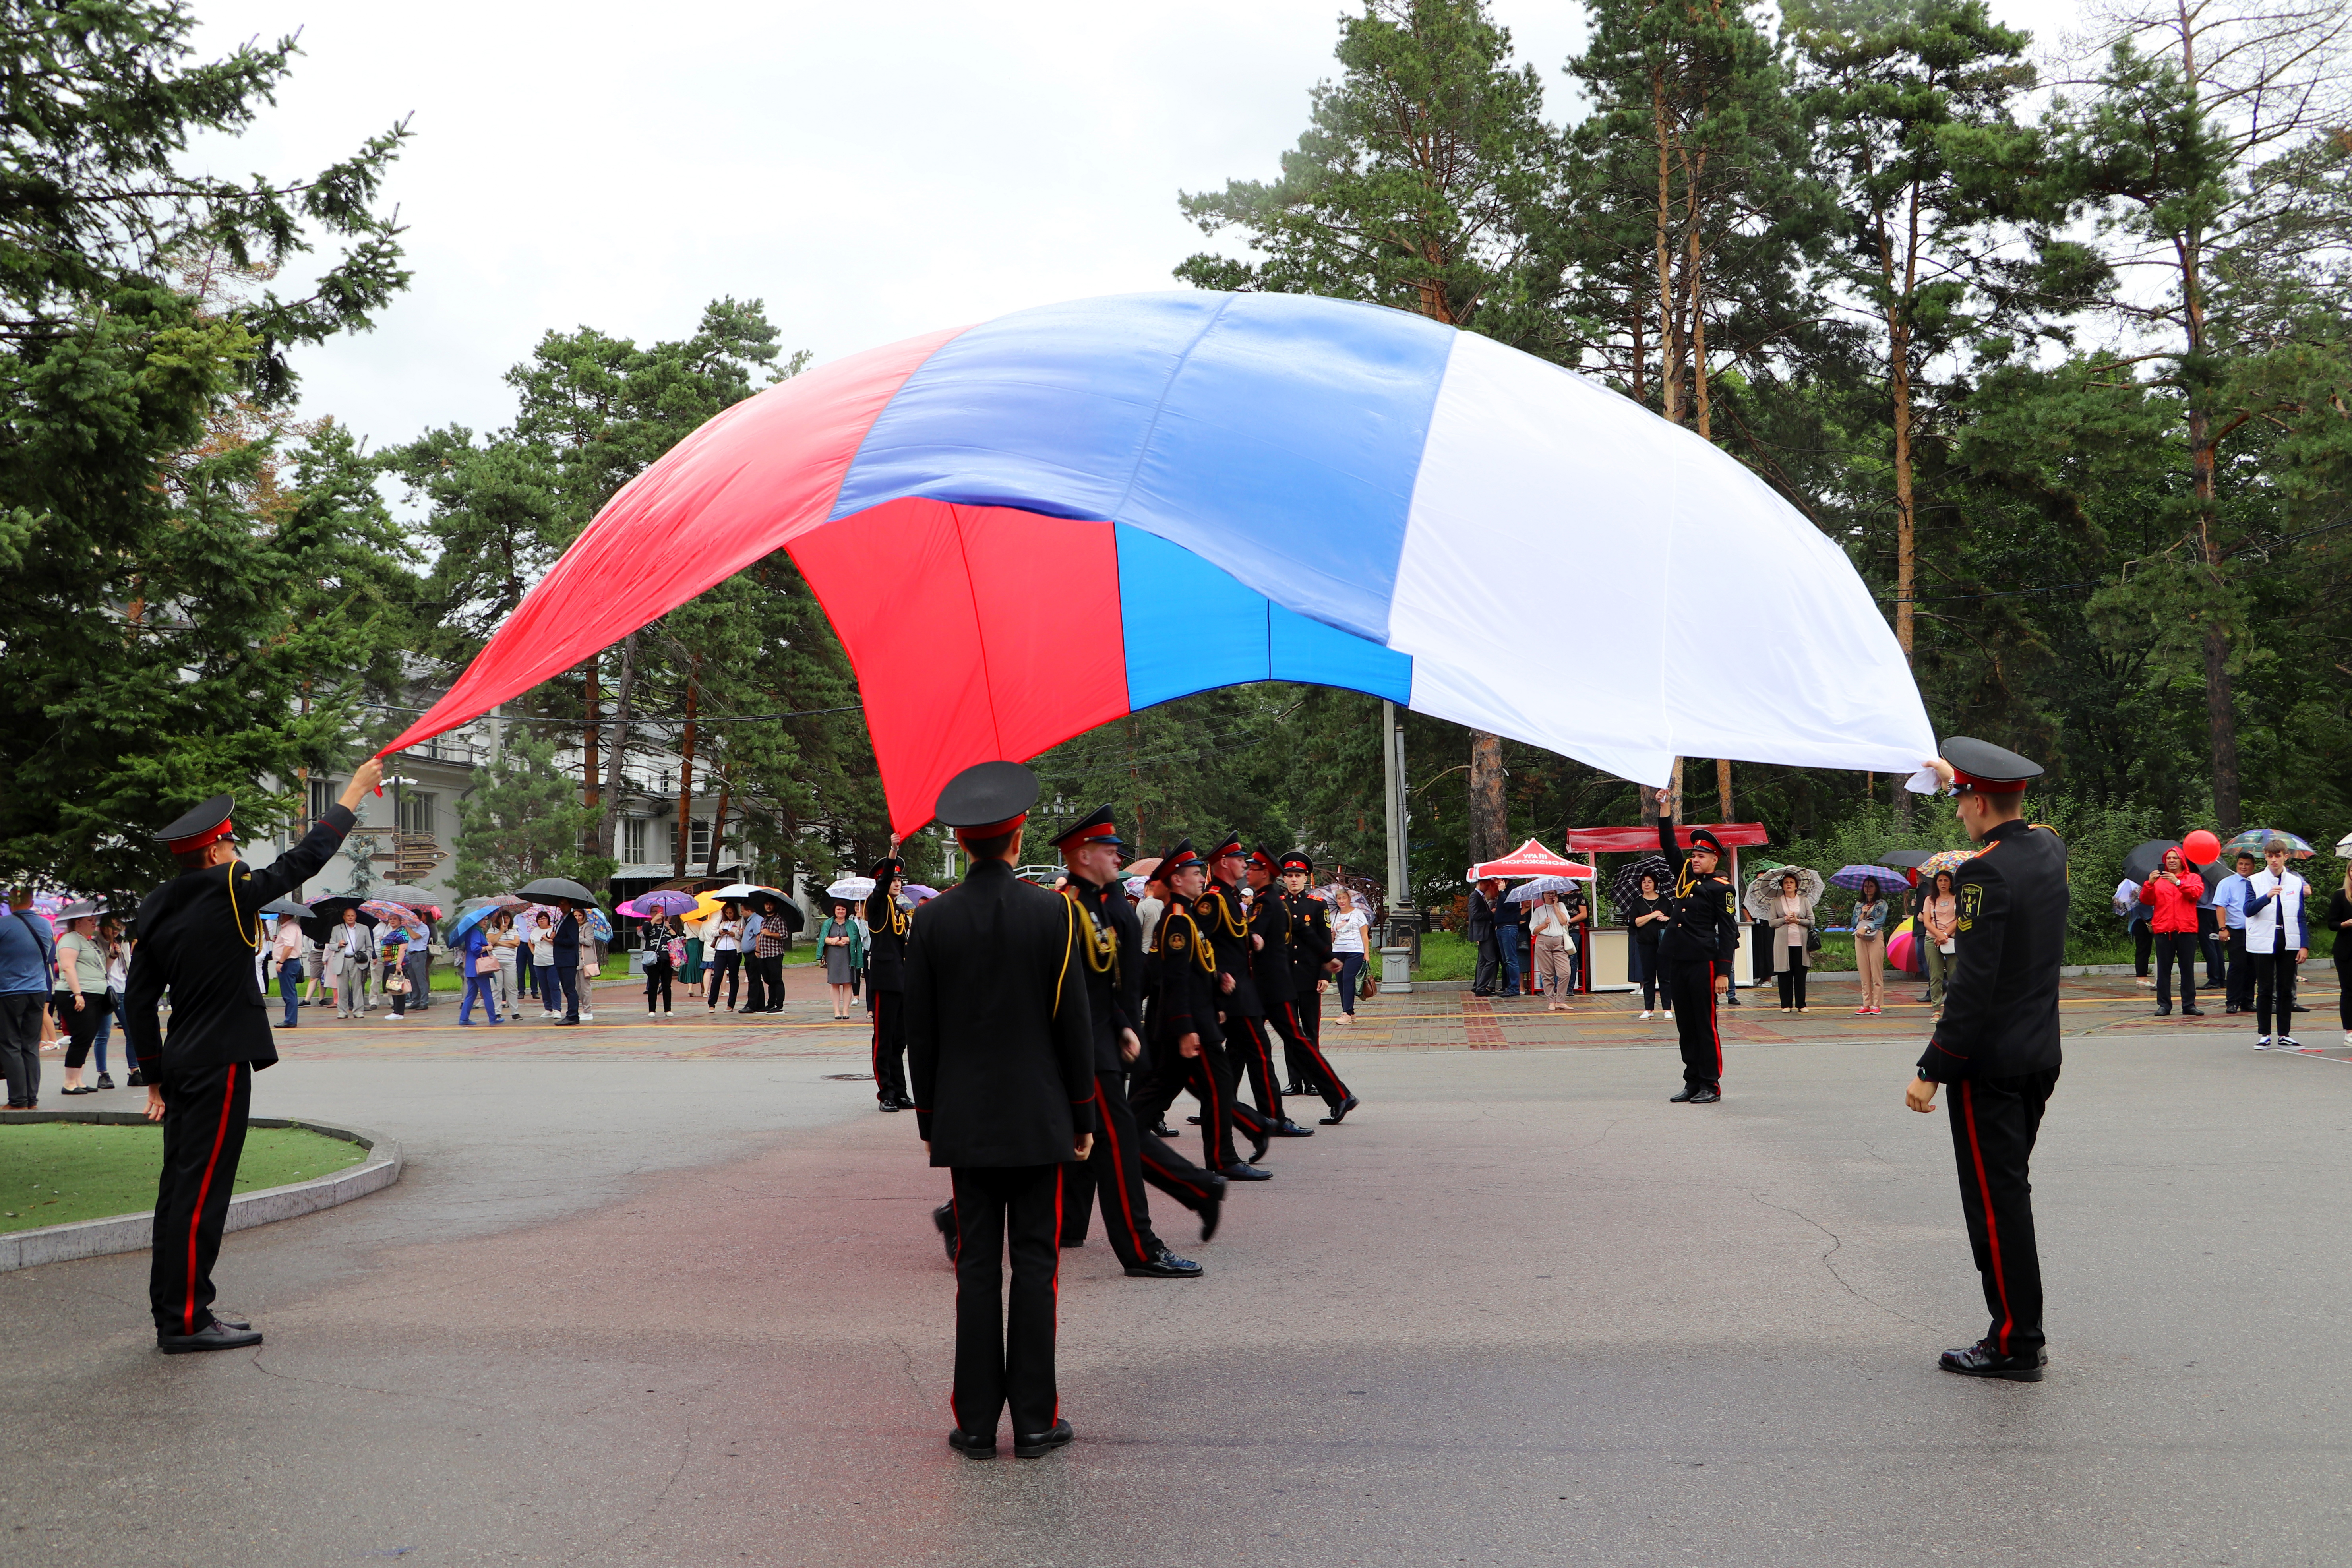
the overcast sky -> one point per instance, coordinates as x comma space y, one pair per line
870, 171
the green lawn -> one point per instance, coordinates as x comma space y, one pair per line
55, 1173
617, 967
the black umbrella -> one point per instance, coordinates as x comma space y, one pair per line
287, 906
2142, 862
1625, 885
1906, 860
767, 902
326, 914
548, 889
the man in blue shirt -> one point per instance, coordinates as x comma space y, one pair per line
2230, 900
28, 967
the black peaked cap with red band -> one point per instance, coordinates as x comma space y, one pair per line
888, 867
1297, 861
1262, 855
1178, 858
1230, 845
987, 799
201, 826
1983, 768
1098, 827
1705, 838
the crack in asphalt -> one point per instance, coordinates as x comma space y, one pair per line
1836, 1241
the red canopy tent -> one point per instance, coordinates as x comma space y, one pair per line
1530, 859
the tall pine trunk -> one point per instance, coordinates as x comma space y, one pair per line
686, 776
622, 708
1490, 823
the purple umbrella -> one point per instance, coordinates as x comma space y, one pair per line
667, 900
1851, 877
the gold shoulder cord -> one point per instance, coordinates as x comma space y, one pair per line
1102, 948
1232, 924
248, 933
1069, 940
898, 920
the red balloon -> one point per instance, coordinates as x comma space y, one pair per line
2201, 848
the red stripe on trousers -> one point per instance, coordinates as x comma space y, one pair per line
220, 1135
1118, 1168
1993, 1231
1330, 1078
1058, 1171
1713, 1034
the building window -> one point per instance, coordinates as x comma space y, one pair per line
633, 840
322, 796
698, 840
416, 811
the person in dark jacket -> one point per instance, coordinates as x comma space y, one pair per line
200, 939
567, 962
1697, 940
1110, 941
1996, 1043
1242, 1039
887, 927
1000, 1041
1486, 900
1183, 992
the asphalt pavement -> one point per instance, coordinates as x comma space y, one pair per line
667, 1293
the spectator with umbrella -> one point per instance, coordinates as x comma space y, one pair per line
1870, 912
1556, 946
1784, 899
723, 939
843, 941
286, 944
569, 898
1640, 889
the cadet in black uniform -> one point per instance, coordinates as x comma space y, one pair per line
1997, 1042
1001, 1042
1701, 935
1181, 982
1112, 941
1312, 965
1234, 939
1273, 971
885, 946
200, 939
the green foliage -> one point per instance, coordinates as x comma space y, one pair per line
522, 820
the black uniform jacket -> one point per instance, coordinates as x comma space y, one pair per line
1000, 1038
1703, 926
199, 935
1482, 915
1114, 977
1310, 943
1181, 978
888, 929
1218, 912
1270, 965
2009, 939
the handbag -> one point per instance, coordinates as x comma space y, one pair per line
1812, 939
1368, 985
486, 964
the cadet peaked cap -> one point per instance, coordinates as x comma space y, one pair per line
201, 826
1262, 855
1231, 844
987, 799
1705, 838
1182, 858
1297, 861
1987, 769
887, 866
1097, 828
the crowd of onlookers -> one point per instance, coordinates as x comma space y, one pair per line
2249, 930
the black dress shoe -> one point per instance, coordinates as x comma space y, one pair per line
887, 1105
972, 1445
1165, 1265
1706, 1094
1732, 1000
1260, 1142
1241, 1172
1214, 1209
1029, 1445
1340, 1114
1287, 1128
1163, 1130
1689, 1089
1191, 1122
136, 1081
943, 1217
1980, 1360
2164, 1012
906, 1104
216, 1335
231, 1323
1294, 1089
2192, 1012
2301, 1008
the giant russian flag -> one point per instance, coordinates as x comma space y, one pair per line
1026, 528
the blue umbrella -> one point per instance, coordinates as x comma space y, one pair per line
1852, 876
